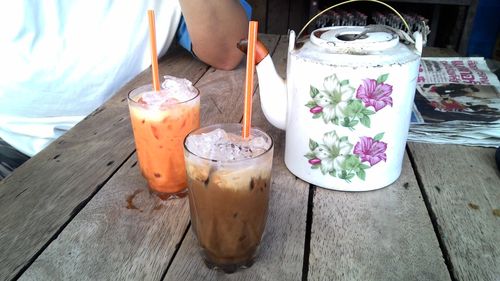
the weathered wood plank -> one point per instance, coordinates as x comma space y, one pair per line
277, 16
282, 248
438, 52
445, 2
123, 233
42, 195
462, 187
299, 14
467, 28
110, 239
259, 13
377, 235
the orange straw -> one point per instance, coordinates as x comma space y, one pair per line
154, 55
247, 113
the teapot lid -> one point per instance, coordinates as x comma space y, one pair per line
352, 45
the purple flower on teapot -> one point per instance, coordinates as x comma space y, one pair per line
375, 93
371, 150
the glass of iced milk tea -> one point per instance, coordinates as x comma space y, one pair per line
160, 121
228, 181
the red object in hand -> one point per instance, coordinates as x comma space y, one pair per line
260, 50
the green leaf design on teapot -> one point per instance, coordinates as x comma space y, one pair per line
341, 104
337, 157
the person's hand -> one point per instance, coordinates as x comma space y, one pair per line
215, 27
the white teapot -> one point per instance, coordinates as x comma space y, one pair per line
346, 104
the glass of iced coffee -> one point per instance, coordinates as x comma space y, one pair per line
229, 186
160, 121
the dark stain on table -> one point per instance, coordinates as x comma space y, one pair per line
97, 111
21, 192
158, 207
473, 206
130, 200
496, 212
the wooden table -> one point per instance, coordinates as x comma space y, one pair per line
80, 210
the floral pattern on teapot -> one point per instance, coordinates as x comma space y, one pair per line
337, 103
335, 155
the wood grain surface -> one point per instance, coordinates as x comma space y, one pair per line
154, 228
462, 187
282, 248
462, 191
41, 196
377, 235
80, 209
277, 16
124, 233
259, 13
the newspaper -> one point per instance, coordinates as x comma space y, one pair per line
457, 101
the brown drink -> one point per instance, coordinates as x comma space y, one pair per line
229, 187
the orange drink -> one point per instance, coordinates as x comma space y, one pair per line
161, 121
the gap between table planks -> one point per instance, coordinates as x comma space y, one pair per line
377, 235
282, 249
106, 215
453, 227
461, 186
39, 198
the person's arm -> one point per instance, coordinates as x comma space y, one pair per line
215, 27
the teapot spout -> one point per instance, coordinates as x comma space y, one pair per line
272, 88
273, 93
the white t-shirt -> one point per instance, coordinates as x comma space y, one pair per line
46, 47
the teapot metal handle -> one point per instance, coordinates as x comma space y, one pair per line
350, 1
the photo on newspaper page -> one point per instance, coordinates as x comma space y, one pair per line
456, 90
457, 102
